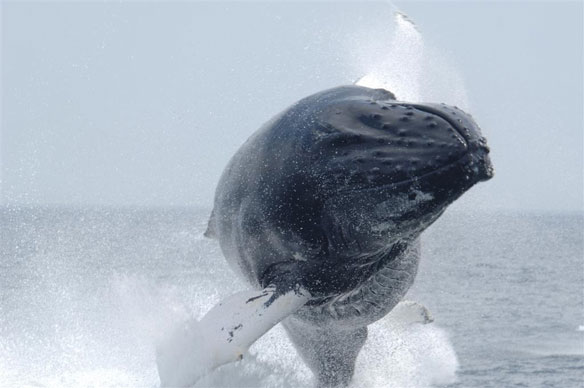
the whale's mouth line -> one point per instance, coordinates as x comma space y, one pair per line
466, 155
388, 186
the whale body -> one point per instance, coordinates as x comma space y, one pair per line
321, 211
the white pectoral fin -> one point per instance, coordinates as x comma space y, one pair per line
224, 334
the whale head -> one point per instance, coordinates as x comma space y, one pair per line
390, 168
338, 181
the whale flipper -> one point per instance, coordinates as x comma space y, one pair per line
408, 312
211, 232
224, 334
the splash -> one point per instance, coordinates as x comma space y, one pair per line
395, 354
81, 325
402, 62
406, 52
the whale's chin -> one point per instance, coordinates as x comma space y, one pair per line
373, 298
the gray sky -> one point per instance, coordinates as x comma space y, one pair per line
143, 103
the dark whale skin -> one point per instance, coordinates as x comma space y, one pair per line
337, 188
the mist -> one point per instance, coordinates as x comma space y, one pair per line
143, 103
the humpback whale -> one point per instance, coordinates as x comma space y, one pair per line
321, 211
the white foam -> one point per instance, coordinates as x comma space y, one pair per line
397, 352
98, 377
415, 356
114, 344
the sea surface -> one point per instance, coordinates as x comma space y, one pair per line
86, 293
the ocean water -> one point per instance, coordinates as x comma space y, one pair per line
86, 293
